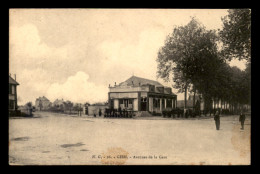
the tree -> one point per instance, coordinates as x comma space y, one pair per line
28, 104
190, 56
236, 34
40, 105
68, 105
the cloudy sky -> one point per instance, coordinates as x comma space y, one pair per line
75, 54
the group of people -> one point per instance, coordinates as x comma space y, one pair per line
242, 118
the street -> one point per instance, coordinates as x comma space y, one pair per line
56, 139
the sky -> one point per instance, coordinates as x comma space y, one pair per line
74, 54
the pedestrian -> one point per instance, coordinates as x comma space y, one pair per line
100, 113
217, 120
242, 118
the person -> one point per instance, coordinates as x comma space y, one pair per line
100, 113
120, 111
217, 120
242, 118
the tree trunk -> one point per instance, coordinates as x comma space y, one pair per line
185, 97
194, 100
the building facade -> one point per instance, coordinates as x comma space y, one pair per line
42, 103
140, 94
13, 93
58, 103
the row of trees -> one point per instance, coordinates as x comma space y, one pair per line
196, 59
66, 106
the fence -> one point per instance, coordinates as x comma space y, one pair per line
118, 113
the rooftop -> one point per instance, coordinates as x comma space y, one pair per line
135, 81
42, 98
12, 81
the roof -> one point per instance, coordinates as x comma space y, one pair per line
136, 80
58, 102
42, 98
12, 81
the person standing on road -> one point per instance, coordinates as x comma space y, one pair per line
217, 120
242, 119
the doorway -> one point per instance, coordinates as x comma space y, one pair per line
143, 103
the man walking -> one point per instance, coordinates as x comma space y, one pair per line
242, 118
217, 120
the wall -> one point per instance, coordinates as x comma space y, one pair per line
95, 109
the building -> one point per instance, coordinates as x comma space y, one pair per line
42, 103
58, 103
13, 93
199, 103
140, 94
95, 108
189, 104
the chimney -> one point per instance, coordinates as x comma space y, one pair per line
14, 76
133, 83
109, 86
115, 83
139, 83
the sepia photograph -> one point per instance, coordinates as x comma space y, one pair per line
121, 86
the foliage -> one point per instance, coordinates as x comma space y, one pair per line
236, 34
190, 56
28, 104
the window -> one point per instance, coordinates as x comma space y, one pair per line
10, 89
156, 103
126, 103
169, 103
143, 99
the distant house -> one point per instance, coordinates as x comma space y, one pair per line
189, 104
12, 93
140, 94
95, 108
58, 103
42, 103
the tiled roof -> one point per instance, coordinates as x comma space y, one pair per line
12, 81
136, 80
